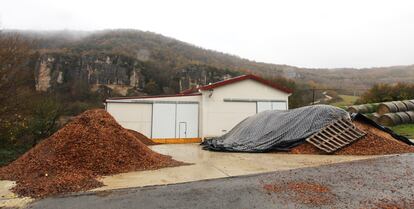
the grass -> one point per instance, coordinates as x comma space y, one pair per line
346, 100
405, 130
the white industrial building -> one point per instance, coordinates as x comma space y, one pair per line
201, 112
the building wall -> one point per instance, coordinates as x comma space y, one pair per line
136, 114
219, 116
133, 116
219, 110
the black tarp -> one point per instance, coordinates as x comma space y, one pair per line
275, 130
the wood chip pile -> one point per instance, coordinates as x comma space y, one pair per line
147, 141
376, 142
93, 144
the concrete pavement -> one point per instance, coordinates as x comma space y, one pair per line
211, 165
8, 198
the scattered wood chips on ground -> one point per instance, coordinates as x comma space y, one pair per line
303, 192
388, 204
93, 144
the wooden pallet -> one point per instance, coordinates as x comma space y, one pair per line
335, 136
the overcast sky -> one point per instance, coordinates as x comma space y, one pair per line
305, 33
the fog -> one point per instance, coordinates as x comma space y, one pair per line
317, 33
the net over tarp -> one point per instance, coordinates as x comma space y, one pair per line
275, 130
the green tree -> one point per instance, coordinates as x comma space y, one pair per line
45, 115
387, 92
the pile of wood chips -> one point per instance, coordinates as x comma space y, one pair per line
93, 144
147, 141
376, 142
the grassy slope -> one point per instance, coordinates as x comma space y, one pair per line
405, 129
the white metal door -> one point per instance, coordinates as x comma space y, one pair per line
182, 130
187, 114
263, 106
132, 116
163, 120
279, 106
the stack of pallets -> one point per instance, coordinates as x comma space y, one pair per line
336, 135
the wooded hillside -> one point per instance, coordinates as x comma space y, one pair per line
171, 55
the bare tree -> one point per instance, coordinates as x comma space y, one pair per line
14, 74
14, 55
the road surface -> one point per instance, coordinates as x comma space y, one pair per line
372, 183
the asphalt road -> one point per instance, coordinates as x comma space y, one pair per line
368, 183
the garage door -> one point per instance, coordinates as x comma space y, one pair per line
187, 121
175, 120
133, 116
263, 106
163, 121
279, 106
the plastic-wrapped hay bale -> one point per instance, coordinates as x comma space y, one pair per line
390, 119
409, 104
387, 107
357, 109
364, 108
372, 107
411, 114
375, 116
401, 106
405, 118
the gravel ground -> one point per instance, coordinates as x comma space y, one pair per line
384, 182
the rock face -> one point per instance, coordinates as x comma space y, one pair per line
43, 74
120, 74
113, 71
194, 75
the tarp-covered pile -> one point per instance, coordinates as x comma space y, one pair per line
276, 130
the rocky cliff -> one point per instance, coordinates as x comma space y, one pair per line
121, 74
194, 75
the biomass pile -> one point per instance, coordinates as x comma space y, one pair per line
142, 138
376, 142
91, 145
